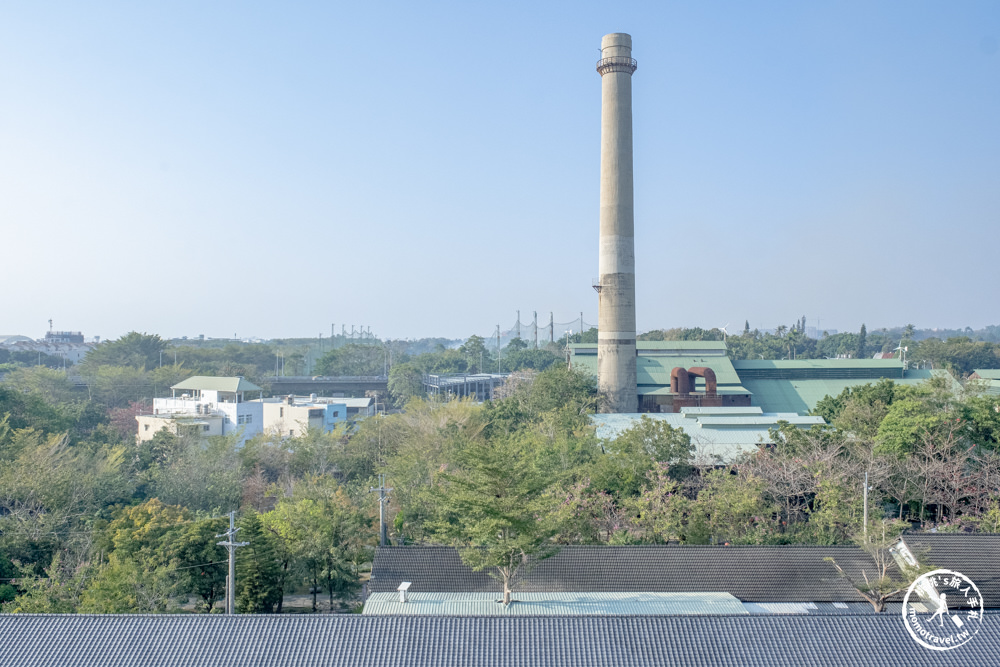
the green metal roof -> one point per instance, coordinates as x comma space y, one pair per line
716, 434
817, 369
661, 390
778, 395
553, 604
664, 345
208, 383
817, 363
988, 373
655, 371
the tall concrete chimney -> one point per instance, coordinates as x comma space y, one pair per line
616, 377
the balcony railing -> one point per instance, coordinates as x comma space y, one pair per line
616, 64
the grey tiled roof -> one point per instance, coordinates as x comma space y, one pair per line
426, 641
751, 573
975, 556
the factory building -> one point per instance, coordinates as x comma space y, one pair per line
673, 376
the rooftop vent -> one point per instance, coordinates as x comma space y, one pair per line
403, 587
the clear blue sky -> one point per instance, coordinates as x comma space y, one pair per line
268, 169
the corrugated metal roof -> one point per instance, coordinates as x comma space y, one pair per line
817, 363
717, 437
762, 420
663, 345
335, 640
208, 383
801, 396
659, 390
750, 573
726, 410
553, 604
656, 370
988, 373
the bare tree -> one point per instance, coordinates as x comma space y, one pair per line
882, 579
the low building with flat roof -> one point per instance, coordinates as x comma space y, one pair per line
218, 403
551, 604
718, 435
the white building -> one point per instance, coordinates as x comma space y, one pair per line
216, 405
210, 406
290, 416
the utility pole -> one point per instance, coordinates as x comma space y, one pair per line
231, 546
866, 506
498, 349
534, 326
382, 497
552, 328
581, 327
517, 325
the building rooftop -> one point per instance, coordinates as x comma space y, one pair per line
208, 383
654, 371
553, 604
333, 640
802, 395
718, 434
750, 573
717, 346
783, 573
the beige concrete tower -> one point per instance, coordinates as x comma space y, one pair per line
616, 377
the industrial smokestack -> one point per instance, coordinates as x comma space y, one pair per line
616, 376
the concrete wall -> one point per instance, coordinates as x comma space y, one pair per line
150, 425
290, 420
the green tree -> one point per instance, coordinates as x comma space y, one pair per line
58, 592
900, 430
405, 382
496, 509
199, 562
862, 352
474, 352
123, 586
327, 534
258, 572
731, 508
352, 359
634, 453
134, 349
51, 385
515, 345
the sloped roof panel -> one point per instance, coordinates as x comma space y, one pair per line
332, 640
208, 383
553, 604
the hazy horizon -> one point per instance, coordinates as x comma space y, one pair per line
426, 170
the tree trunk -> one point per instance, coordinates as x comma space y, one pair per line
506, 591
315, 591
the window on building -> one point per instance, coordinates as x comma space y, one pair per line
336, 413
204, 427
249, 419
281, 412
291, 432
145, 427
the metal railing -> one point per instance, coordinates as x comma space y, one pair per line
616, 64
